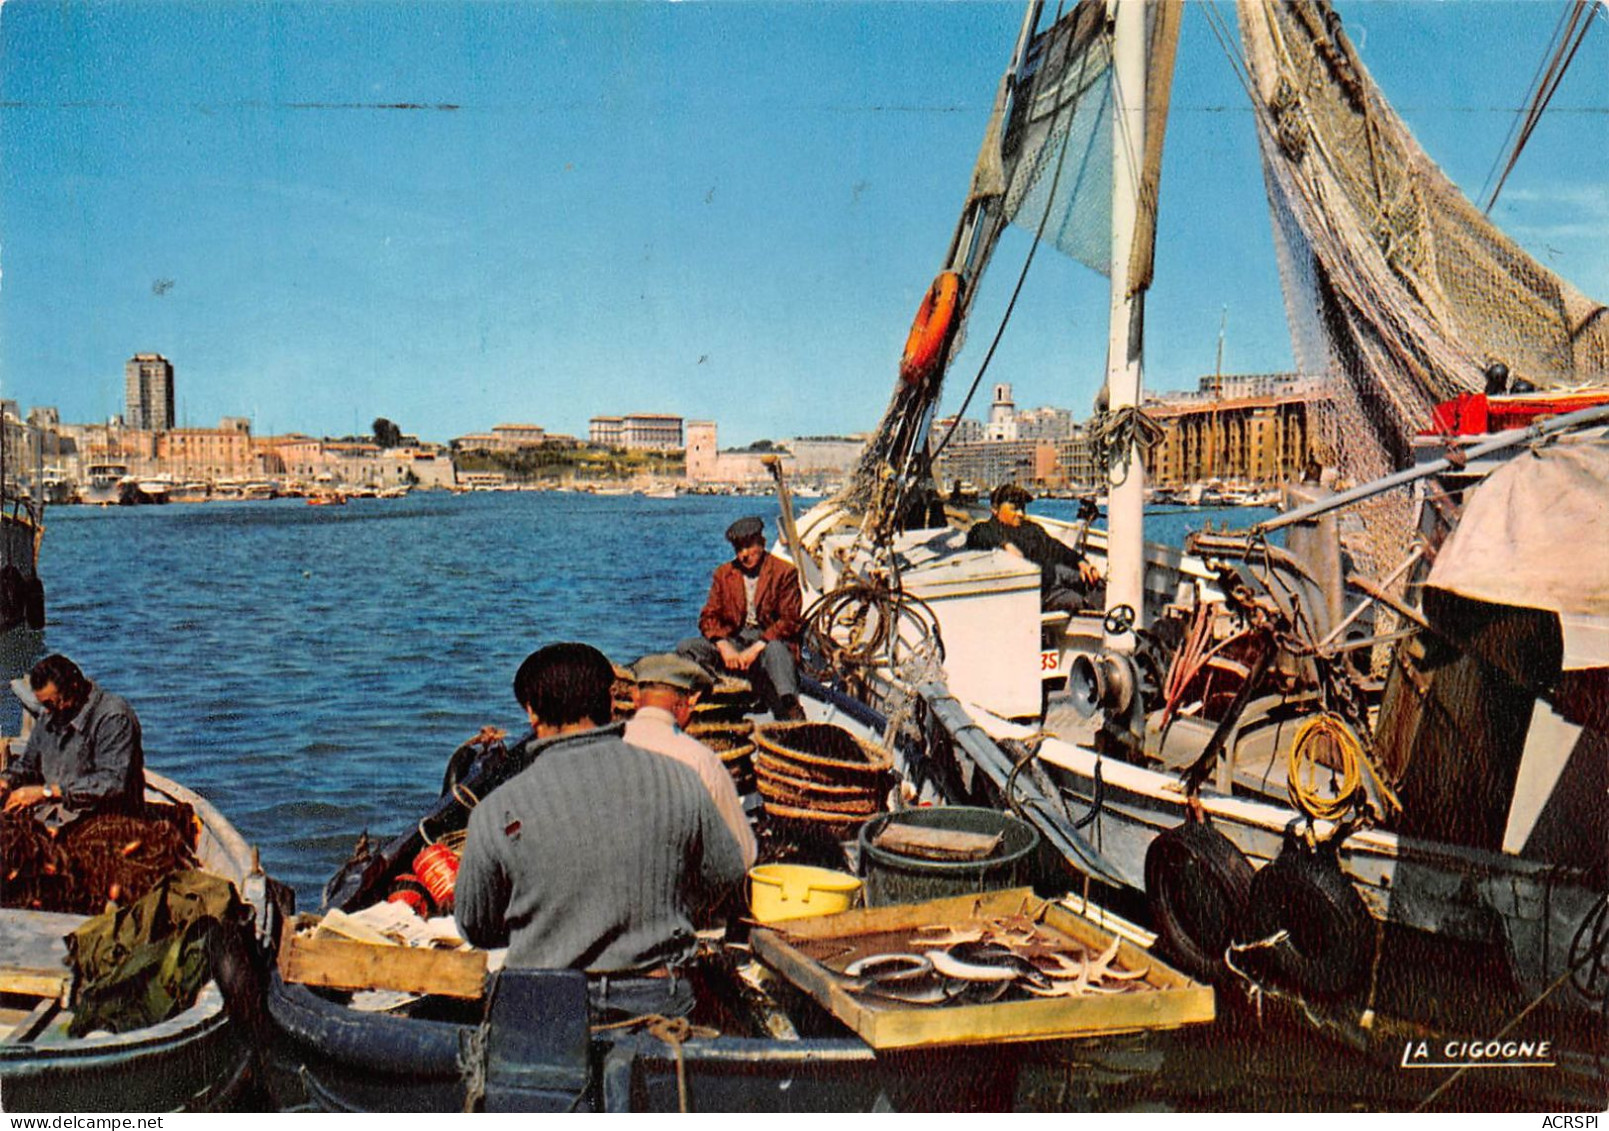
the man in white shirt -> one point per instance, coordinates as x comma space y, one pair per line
668, 686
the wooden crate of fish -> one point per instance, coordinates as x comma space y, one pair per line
1001, 966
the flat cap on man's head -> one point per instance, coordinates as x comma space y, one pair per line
745, 530
673, 671
1013, 493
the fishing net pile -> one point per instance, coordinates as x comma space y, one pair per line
107, 856
1393, 281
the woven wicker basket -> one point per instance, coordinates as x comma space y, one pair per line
783, 795
823, 752
782, 773
836, 825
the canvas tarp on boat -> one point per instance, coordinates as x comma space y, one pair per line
1534, 534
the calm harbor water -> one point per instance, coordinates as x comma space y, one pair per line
310, 669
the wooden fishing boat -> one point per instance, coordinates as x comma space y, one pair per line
446, 1046
1213, 746
198, 1060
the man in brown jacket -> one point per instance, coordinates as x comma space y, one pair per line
751, 621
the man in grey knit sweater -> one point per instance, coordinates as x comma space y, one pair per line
598, 855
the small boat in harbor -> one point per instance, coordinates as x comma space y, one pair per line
22, 591
102, 485
326, 497
758, 1042
134, 492
197, 1060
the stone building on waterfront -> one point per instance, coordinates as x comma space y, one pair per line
1254, 430
347, 463
209, 454
814, 461
703, 454
988, 463
148, 392
637, 432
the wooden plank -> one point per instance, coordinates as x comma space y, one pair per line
903, 916
342, 965
35, 982
28, 1028
1171, 999
33, 951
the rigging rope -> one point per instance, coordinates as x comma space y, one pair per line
1022, 277
1542, 94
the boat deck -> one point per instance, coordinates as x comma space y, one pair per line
33, 974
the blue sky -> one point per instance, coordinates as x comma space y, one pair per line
723, 210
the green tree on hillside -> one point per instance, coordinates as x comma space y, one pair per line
386, 434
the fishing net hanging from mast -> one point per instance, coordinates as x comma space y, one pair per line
1395, 284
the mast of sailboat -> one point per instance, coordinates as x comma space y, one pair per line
1125, 563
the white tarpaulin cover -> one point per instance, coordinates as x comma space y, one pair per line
1536, 534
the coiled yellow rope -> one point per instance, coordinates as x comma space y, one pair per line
1303, 769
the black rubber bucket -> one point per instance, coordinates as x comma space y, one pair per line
896, 878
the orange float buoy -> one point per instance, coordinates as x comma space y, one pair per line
437, 868
931, 332
410, 891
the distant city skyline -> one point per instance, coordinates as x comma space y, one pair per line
459, 214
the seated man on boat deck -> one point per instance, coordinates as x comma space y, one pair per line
1068, 580
668, 687
751, 621
598, 855
84, 754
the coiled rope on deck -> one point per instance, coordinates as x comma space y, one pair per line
1304, 767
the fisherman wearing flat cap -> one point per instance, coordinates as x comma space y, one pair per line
752, 620
668, 687
1068, 580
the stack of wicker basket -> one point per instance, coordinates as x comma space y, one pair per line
622, 691
728, 702
820, 775
734, 742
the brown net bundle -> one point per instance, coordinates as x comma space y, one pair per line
37, 872
1393, 281
100, 858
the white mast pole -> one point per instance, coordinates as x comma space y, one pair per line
1125, 581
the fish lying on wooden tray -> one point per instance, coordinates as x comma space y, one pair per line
975, 961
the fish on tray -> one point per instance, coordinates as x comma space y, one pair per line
977, 961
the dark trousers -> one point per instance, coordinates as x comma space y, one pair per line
1062, 589
620, 997
774, 674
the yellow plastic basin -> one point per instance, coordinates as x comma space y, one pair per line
793, 891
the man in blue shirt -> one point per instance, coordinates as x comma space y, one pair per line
84, 754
